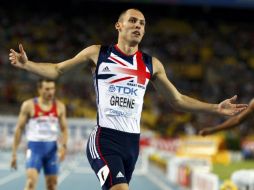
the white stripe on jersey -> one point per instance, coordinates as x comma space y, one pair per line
92, 144
114, 56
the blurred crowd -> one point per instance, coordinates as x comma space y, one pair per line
209, 60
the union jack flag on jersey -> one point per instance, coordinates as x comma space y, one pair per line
117, 69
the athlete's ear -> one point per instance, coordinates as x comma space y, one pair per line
117, 26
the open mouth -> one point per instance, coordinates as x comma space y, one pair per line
137, 33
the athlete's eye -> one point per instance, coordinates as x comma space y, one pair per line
142, 23
132, 20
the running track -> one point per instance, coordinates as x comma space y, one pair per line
75, 174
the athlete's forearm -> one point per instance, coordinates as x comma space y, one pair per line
178, 100
64, 137
16, 142
48, 70
229, 124
233, 121
189, 104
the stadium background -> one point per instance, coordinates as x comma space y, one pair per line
206, 47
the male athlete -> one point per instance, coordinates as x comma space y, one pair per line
43, 117
121, 74
231, 122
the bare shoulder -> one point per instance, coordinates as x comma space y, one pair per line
60, 107
60, 104
93, 49
158, 68
90, 53
90, 50
27, 106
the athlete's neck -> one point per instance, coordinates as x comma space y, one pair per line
44, 102
126, 49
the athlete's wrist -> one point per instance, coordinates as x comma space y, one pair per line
216, 108
27, 65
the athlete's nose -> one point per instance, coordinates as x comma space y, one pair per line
138, 26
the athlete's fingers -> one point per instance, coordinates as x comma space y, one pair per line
21, 49
241, 109
233, 99
14, 167
206, 131
13, 51
13, 60
12, 57
236, 111
244, 106
202, 133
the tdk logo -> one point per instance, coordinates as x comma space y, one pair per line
112, 88
123, 90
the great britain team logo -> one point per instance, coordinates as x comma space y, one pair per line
121, 70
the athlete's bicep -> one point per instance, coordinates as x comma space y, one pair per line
24, 114
162, 83
89, 54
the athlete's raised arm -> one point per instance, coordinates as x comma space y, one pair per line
231, 122
52, 70
22, 120
185, 103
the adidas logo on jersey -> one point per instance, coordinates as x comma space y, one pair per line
119, 175
106, 69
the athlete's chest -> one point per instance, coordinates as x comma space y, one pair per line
130, 72
45, 119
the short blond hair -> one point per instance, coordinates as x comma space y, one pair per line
120, 18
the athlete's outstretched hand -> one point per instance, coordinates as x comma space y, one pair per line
18, 59
229, 108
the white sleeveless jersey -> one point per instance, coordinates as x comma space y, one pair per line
120, 83
43, 126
